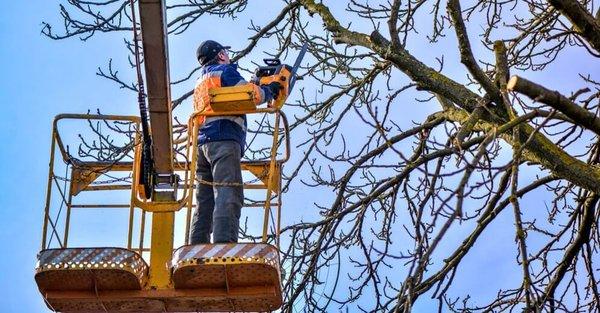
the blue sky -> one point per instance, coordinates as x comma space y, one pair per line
42, 78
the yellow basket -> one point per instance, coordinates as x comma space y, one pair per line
231, 99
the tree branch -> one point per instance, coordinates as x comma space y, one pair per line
585, 24
466, 55
555, 100
539, 150
583, 234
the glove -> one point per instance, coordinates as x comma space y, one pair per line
274, 87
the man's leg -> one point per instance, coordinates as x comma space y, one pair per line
205, 203
224, 157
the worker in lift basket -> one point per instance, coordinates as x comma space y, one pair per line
221, 142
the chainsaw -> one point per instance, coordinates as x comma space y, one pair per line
275, 71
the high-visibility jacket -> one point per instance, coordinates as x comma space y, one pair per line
220, 128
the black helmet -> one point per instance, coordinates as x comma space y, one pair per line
208, 50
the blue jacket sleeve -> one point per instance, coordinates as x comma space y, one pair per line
231, 77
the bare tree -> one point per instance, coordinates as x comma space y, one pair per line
411, 195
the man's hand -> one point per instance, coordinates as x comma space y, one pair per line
275, 88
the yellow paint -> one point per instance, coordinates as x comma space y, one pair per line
228, 99
49, 189
261, 171
161, 248
271, 181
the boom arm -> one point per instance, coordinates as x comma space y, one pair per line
156, 64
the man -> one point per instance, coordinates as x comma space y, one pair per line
221, 141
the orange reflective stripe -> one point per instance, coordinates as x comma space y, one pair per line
201, 95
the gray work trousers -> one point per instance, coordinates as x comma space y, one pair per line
219, 204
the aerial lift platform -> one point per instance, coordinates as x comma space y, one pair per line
238, 277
